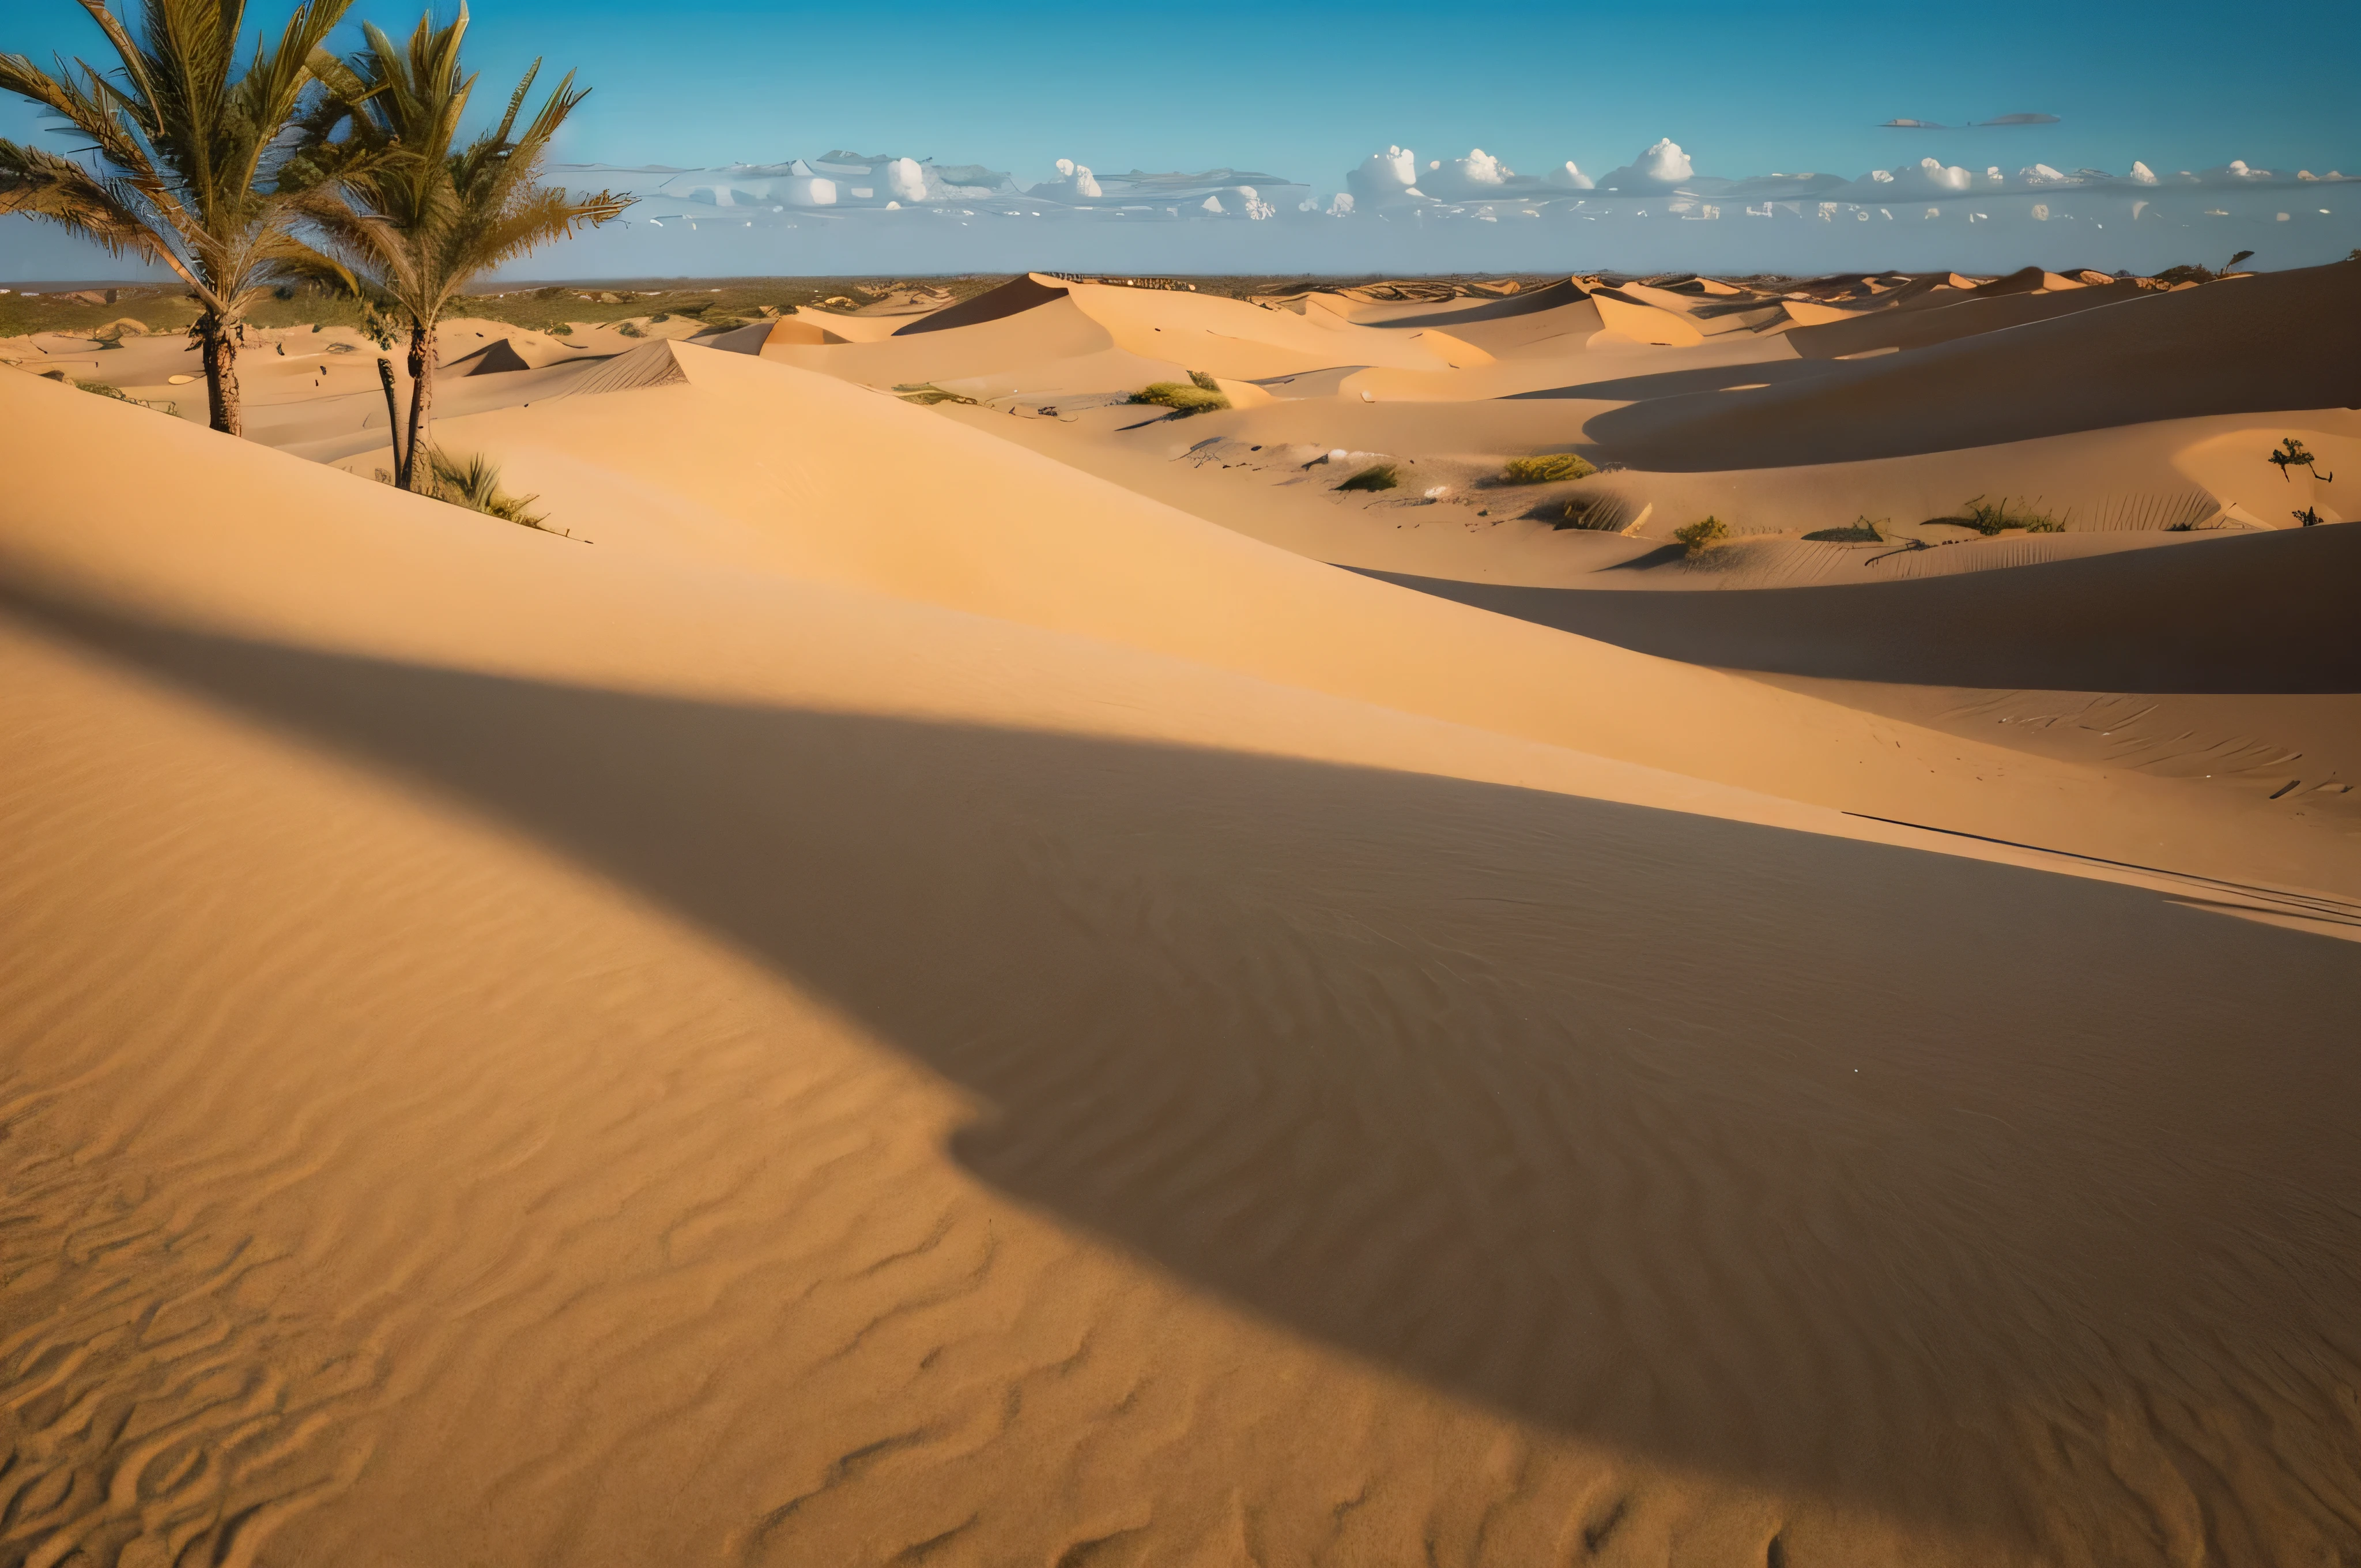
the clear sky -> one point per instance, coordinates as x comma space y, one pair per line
1307, 91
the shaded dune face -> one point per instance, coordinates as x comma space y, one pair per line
2267, 613
2251, 345
1998, 1215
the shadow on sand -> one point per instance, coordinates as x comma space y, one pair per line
1954, 1188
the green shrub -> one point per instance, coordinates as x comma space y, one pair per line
1861, 531
1989, 518
1547, 470
1182, 397
473, 483
563, 329
1702, 535
104, 390
629, 329
2291, 452
1205, 383
1375, 477
659, 316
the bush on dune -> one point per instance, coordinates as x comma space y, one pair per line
927, 394
1548, 469
1375, 477
1702, 535
1195, 395
473, 483
1989, 518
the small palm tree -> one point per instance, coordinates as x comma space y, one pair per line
179, 153
421, 215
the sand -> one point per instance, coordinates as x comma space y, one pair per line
946, 983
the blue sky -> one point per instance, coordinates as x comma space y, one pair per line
1308, 91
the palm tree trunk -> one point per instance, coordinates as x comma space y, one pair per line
417, 476
221, 374
392, 412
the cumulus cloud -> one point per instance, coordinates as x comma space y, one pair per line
1242, 200
2042, 174
1480, 167
2142, 174
1341, 206
1074, 180
1664, 161
906, 179
1930, 177
1660, 167
1384, 174
1571, 178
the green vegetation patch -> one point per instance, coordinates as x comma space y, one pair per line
1702, 535
473, 483
1547, 470
1989, 518
1181, 397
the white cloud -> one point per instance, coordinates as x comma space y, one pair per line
1341, 206
2042, 174
1571, 178
1074, 182
1242, 201
1664, 161
906, 179
1387, 174
2142, 174
1480, 167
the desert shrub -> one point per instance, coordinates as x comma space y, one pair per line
1375, 477
104, 389
473, 483
562, 329
1703, 534
1545, 470
1989, 518
629, 329
1182, 397
2309, 517
660, 316
2293, 452
1861, 531
929, 394
1205, 383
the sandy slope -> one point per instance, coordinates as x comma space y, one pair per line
912, 1002
2288, 340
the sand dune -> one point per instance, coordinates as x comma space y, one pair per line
2287, 340
935, 984
2083, 625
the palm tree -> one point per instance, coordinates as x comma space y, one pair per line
179, 154
422, 215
